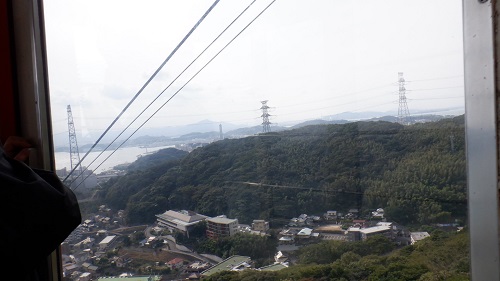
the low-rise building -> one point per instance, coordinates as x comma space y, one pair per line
378, 214
233, 263
376, 230
85, 243
107, 242
260, 225
221, 227
304, 233
353, 234
330, 215
175, 263
181, 221
86, 276
417, 236
280, 257
198, 266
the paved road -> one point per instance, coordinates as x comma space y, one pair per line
173, 247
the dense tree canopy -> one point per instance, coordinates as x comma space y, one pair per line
417, 173
441, 257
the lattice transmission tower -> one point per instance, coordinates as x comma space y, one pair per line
403, 111
73, 150
266, 125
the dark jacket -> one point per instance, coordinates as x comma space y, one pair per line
37, 212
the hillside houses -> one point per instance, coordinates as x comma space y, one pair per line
98, 244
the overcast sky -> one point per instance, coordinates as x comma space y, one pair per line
308, 58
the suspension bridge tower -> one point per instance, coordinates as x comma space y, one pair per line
266, 125
76, 166
403, 111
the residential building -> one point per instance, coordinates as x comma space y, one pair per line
260, 225
304, 233
107, 242
417, 236
134, 278
280, 257
274, 267
86, 276
354, 234
376, 230
198, 266
378, 214
330, 215
181, 221
233, 263
175, 263
221, 227
85, 243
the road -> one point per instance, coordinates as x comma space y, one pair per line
173, 247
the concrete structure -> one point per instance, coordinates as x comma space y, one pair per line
132, 278
417, 236
233, 263
107, 242
260, 225
175, 263
304, 233
274, 267
221, 227
86, 276
376, 230
198, 266
354, 234
179, 220
330, 215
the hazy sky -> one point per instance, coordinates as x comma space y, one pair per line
308, 58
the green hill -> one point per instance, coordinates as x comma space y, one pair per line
417, 173
443, 256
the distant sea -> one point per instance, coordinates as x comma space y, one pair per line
121, 156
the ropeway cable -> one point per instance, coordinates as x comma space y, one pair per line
190, 79
145, 85
163, 91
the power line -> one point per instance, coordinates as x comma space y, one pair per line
168, 86
430, 89
190, 79
146, 84
342, 96
342, 191
437, 78
337, 105
442, 98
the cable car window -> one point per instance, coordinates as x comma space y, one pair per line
267, 135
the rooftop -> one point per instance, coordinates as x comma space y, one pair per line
183, 217
375, 229
107, 239
305, 232
227, 264
273, 267
133, 278
175, 261
222, 220
419, 235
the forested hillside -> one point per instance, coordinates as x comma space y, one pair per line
417, 173
443, 256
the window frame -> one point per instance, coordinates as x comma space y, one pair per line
480, 103
481, 138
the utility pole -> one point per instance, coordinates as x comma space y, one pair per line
403, 112
266, 125
73, 149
